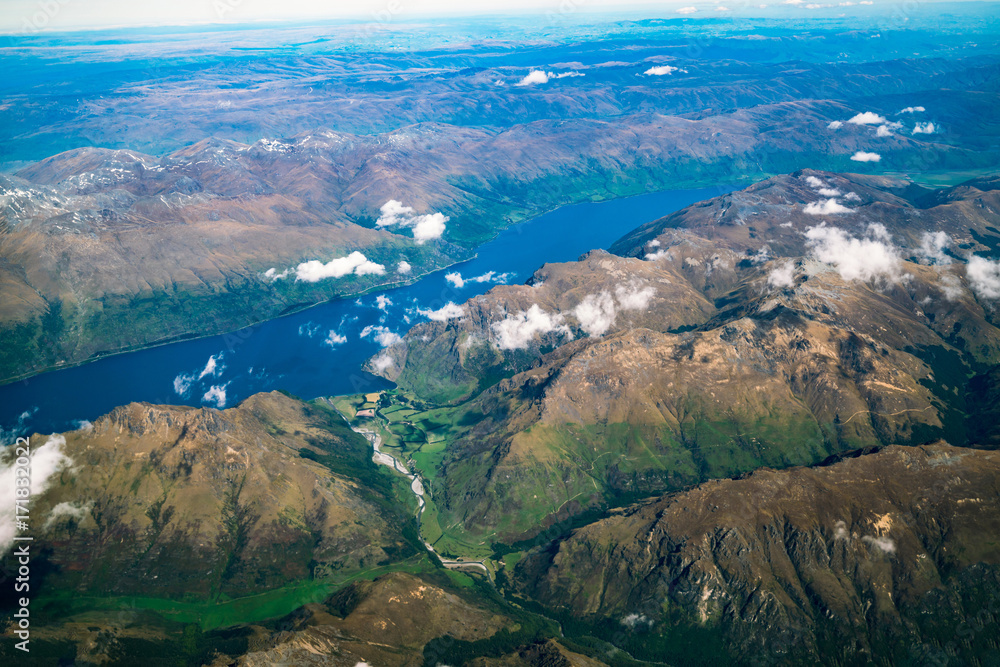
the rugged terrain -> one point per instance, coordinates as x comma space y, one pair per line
385, 622
760, 430
175, 502
145, 200
613, 377
888, 557
725, 442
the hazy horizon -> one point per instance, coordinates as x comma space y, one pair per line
31, 16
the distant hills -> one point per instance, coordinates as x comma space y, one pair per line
186, 182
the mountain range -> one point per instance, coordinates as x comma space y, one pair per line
759, 425
161, 208
763, 429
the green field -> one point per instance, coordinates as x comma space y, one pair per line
210, 615
421, 436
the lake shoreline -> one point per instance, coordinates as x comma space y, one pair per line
275, 353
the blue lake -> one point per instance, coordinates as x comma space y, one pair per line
319, 351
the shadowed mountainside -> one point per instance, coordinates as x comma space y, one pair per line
877, 558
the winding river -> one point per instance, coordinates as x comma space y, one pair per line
320, 351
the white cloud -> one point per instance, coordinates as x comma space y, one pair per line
932, 246
867, 258
403, 268
883, 131
46, 460
489, 277
662, 70
835, 124
862, 156
393, 213
878, 231
8, 436
633, 621
182, 384
382, 302
355, 263
883, 544
309, 329
951, 286
425, 227
515, 332
382, 362
688, 10
429, 227
762, 255
184, 381
382, 335
67, 510
720, 8
924, 128
212, 367
538, 76
866, 2
447, 312
825, 207
272, 274
867, 118
216, 394
852, 196
782, 275
840, 531
334, 339
912, 110
659, 254
635, 296
984, 277
456, 279
596, 313
821, 187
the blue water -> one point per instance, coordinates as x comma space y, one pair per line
294, 352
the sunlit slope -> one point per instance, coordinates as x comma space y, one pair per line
613, 377
175, 502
